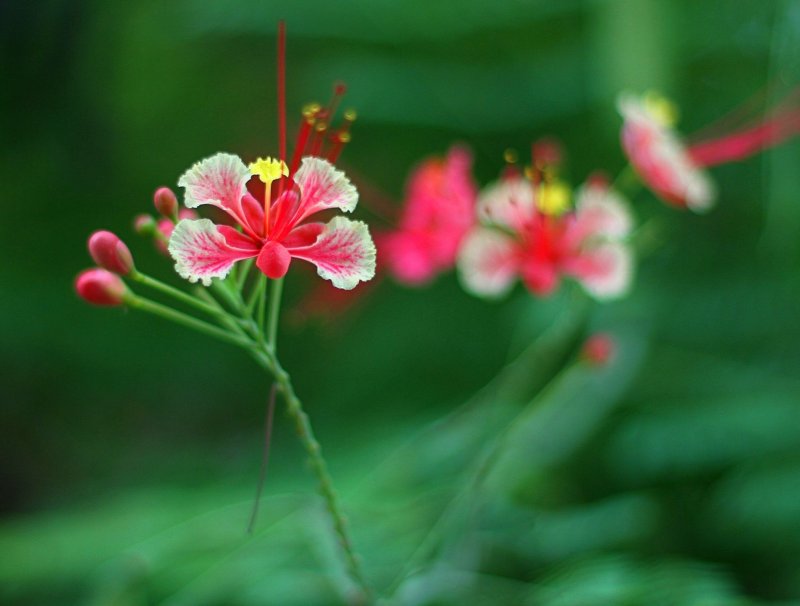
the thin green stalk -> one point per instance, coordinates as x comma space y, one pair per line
274, 308
313, 449
320, 469
255, 295
179, 295
262, 299
244, 271
136, 302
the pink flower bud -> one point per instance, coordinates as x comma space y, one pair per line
100, 287
599, 349
110, 253
144, 225
166, 203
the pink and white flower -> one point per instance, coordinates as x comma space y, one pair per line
662, 160
438, 213
674, 169
275, 232
517, 239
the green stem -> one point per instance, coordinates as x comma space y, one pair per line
320, 469
140, 303
244, 271
181, 296
274, 308
313, 449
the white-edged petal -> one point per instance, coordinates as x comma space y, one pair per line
508, 203
220, 181
607, 270
343, 253
322, 186
201, 252
601, 211
488, 262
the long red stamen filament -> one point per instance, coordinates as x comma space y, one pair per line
341, 137
339, 89
309, 115
748, 142
319, 138
281, 121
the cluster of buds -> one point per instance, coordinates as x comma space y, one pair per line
103, 285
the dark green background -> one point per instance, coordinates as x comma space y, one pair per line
130, 447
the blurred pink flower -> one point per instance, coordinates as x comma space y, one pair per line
673, 169
439, 210
519, 238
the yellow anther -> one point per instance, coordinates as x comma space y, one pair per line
269, 169
310, 110
510, 156
350, 115
344, 137
553, 198
321, 127
661, 108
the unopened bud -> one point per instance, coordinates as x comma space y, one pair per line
144, 225
100, 287
599, 349
166, 203
110, 253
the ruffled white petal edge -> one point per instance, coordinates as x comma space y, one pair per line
201, 252
220, 180
488, 262
322, 186
343, 253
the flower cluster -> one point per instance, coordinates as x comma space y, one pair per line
526, 226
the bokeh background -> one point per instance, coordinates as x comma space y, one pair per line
130, 448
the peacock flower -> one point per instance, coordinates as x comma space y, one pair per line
275, 231
525, 233
673, 169
438, 213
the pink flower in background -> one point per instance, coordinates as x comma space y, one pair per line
277, 231
673, 169
439, 210
520, 238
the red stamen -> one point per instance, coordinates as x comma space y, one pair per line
281, 115
319, 138
739, 146
309, 115
339, 89
337, 145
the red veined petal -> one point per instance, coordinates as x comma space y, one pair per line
343, 253
202, 251
220, 181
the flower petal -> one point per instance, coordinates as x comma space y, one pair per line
202, 251
605, 271
220, 181
488, 262
343, 253
321, 187
508, 203
661, 159
602, 212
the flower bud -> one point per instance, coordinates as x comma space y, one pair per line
599, 349
110, 253
144, 225
166, 203
100, 287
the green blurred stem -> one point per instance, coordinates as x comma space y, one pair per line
313, 449
179, 295
274, 309
140, 303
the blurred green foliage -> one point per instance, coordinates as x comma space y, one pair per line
130, 448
